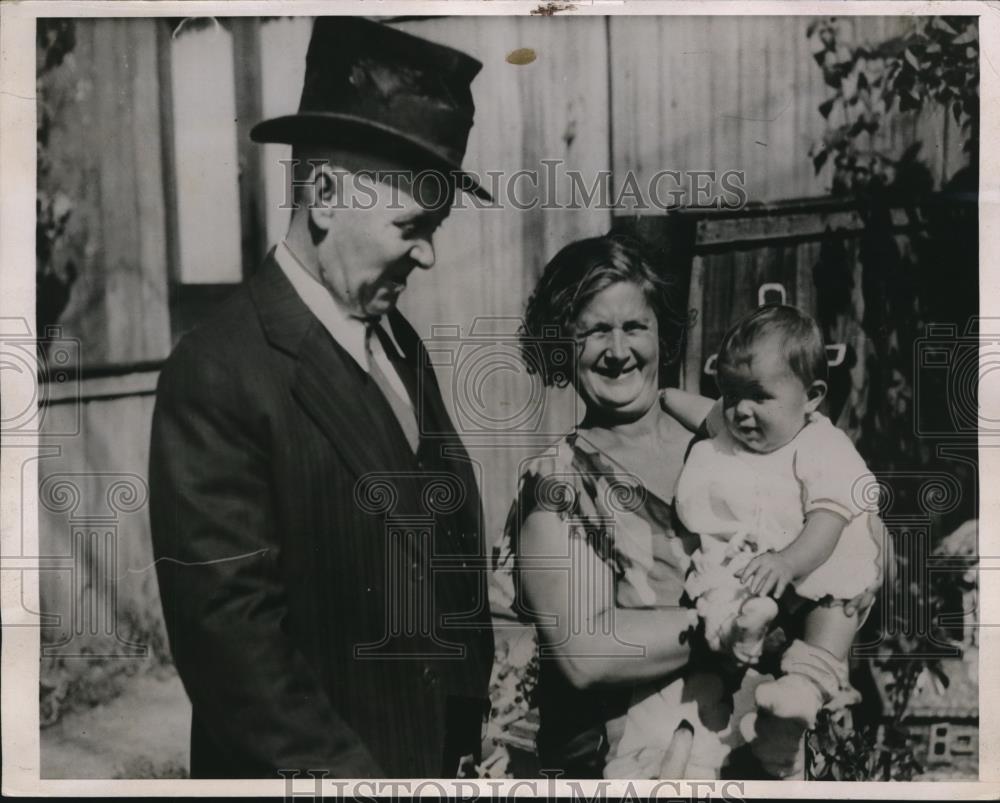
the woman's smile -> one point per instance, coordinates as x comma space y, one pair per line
617, 372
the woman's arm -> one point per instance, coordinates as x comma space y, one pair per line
570, 593
688, 408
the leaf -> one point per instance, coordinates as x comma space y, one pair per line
941, 25
820, 159
970, 34
939, 672
911, 59
849, 87
827, 106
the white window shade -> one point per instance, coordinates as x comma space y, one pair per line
281, 87
205, 158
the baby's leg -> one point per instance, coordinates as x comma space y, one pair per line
832, 629
815, 669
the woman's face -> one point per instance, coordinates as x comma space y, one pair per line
619, 351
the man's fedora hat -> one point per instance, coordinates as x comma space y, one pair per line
371, 86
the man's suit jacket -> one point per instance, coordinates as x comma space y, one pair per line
299, 543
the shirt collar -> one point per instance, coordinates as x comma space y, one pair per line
343, 327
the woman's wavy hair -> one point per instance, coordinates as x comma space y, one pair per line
570, 281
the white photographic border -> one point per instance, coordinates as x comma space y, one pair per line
19, 589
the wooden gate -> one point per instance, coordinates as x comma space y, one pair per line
729, 262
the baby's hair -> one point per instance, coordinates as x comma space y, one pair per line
800, 337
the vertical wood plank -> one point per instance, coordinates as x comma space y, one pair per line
694, 356
249, 111
152, 298
134, 314
117, 167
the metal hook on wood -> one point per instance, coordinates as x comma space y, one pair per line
838, 352
771, 287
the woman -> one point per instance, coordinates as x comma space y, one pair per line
597, 564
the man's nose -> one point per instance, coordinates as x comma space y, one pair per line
422, 253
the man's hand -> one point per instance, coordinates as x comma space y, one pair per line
768, 574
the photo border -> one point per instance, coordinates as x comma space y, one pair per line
18, 463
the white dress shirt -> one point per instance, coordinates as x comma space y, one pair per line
348, 331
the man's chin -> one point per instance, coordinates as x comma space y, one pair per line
384, 302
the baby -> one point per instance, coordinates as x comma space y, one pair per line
780, 498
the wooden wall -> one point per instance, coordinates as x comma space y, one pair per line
741, 93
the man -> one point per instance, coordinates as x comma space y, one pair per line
307, 486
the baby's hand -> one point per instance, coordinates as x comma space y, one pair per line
768, 574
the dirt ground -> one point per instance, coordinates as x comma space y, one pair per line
142, 733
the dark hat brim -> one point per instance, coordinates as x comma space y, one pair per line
346, 130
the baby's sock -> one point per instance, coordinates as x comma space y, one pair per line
813, 677
792, 697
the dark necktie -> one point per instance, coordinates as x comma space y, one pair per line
404, 412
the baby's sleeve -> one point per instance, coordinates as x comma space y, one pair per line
832, 474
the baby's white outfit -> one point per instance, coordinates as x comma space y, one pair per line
727, 492
725, 489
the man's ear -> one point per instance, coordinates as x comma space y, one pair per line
815, 394
325, 197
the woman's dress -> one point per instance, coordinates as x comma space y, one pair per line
609, 512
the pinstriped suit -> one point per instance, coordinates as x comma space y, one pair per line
276, 567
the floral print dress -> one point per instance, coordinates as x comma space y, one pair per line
609, 512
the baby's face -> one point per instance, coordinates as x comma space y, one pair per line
765, 404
